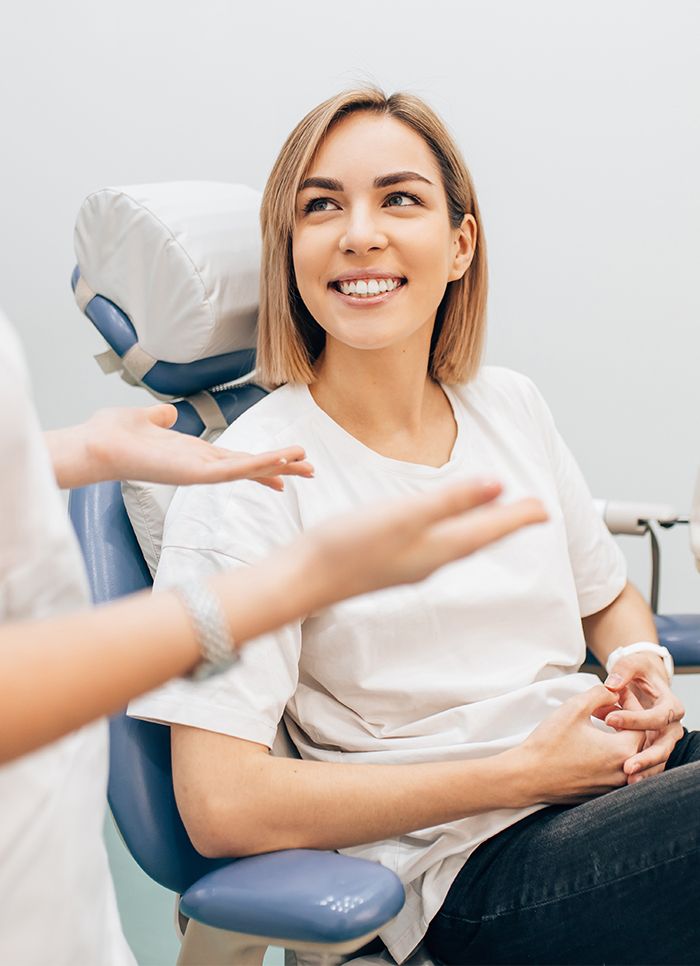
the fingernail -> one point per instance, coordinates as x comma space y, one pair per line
281, 461
613, 721
613, 681
634, 769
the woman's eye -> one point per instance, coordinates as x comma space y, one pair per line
315, 202
412, 200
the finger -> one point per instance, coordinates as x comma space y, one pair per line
651, 719
254, 467
606, 709
272, 482
648, 773
288, 454
487, 524
618, 679
628, 700
163, 414
449, 501
588, 701
302, 468
656, 754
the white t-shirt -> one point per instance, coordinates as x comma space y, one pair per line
461, 666
57, 901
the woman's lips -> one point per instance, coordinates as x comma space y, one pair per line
367, 300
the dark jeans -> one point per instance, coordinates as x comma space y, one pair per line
615, 880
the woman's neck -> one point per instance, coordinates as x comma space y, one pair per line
386, 399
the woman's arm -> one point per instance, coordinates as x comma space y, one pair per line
626, 620
61, 673
645, 700
137, 443
236, 799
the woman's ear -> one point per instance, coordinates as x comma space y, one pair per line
463, 247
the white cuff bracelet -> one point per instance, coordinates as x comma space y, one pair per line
662, 652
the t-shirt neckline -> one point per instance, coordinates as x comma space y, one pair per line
402, 467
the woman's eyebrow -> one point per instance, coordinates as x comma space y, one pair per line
383, 181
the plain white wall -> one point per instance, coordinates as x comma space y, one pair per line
580, 122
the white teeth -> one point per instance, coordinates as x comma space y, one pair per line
362, 287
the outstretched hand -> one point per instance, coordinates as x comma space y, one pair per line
137, 443
405, 541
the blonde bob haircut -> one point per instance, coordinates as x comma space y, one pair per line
289, 338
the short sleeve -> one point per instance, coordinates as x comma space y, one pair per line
598, 565
209, 529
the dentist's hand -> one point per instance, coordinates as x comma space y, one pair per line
406, 540
137, 443
646, 704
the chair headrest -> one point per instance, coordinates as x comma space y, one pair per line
169, 274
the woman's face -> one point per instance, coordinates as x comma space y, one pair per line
373, 248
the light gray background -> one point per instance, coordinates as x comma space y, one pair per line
580, 122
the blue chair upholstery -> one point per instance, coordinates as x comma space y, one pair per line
680, 633
167, 378
302, 895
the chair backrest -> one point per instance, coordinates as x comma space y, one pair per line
140, 780
168, 274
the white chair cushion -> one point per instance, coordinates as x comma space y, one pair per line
181, 259
146, 505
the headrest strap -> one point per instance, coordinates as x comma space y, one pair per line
132, 366
108, 361
83, 294
137, 362
208, 410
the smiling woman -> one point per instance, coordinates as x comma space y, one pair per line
435, 722
438, 197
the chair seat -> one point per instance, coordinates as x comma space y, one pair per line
299, 894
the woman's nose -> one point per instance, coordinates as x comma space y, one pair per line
362, 234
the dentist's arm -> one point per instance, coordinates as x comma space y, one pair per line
135, 443
60, 673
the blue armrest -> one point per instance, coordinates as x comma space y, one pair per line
299, 894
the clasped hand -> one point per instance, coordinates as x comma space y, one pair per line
647, 704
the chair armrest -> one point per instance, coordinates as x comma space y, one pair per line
297, 894
632, 517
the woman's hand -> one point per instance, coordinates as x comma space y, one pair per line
645, 703
570, 759
137, 443
405, 541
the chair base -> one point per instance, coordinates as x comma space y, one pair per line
208, 946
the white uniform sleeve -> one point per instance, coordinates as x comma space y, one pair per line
598, 565
209, 529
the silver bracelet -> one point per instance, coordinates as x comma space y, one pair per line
658, 649
211, 629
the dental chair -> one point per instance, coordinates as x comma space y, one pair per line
202, 320
168, 274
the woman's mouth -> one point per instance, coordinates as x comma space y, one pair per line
367, 291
